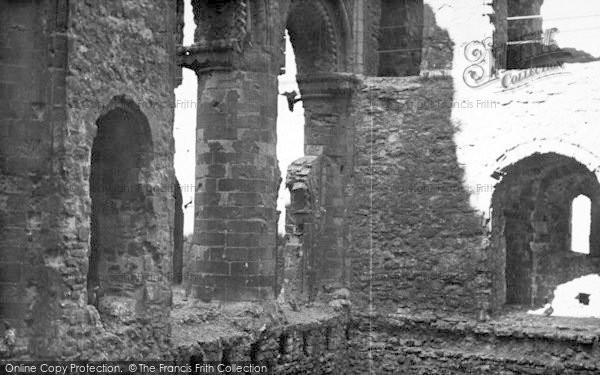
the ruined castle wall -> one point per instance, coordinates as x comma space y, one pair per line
417, 344
417, 245
437, 47
516, 114
513, 118
505, 117
417, 242
426, 151
314, 341
416, 197
302, 254
33, 49
421, 254
118, 53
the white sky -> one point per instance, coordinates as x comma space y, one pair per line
578, 23
581, 214
184, 129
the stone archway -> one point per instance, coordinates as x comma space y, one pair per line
315, 38
531, 228
237, 55
319, 39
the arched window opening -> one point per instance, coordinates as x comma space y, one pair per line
538, 226
121, 154
400, 38
581, 222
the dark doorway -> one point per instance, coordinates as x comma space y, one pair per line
121, 154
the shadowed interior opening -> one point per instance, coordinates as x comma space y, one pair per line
121, 153
533, 229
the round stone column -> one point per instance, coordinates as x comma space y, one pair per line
237, 178
236, 187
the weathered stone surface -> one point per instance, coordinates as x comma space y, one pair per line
390, 265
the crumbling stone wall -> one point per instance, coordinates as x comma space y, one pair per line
311, 341
301, 254
33, 111
398, 331
71, 70
392, 157
387, 281
135, 72
416, 242
438, 48
408, 343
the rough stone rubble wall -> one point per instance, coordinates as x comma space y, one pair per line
418, 240
304, 179
412, 220
453, 345
132, 65
33, 259
422, 262
311, 346
83, 55
425, 152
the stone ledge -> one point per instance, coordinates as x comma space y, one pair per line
309, 340
515, 340
580, 330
